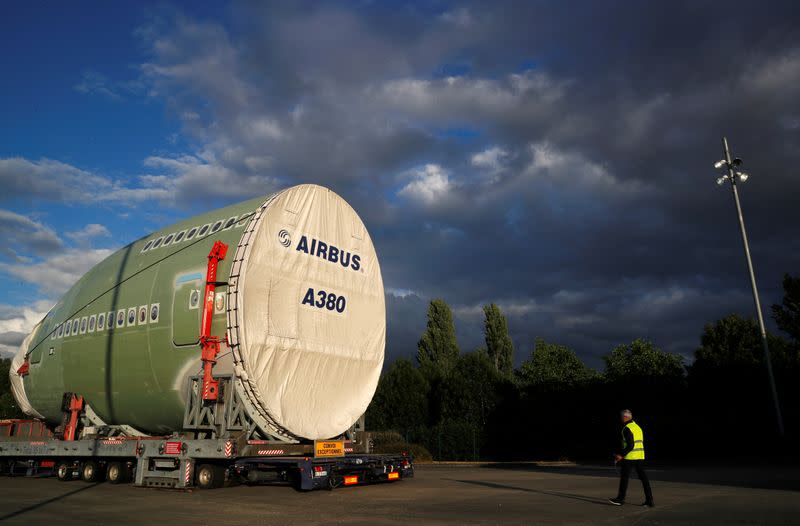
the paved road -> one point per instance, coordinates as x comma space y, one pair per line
439, 494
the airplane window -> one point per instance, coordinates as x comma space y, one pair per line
179, 236
192, 232
92, 321
147, 246
131, 316
75, 326
194, 299
83, 325
60, 331
142, 314
216, 226
121, 318
168, 240
204, 230
157, 242
101, 321
229, 223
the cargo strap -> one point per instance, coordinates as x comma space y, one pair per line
208, 343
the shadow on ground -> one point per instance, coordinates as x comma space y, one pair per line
571, 496
45, 502
762, 477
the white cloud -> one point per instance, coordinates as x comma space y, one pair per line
54, 275
22, 234
84, 236
401, 293
195, 176
429, 185
573, 170
50, 180
514, 98
16, 322
93, 82
492, 161
460, 17
774, 76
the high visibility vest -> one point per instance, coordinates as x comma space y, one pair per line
637, 453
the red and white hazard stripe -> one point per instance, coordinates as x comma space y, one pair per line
270, 452
348, 450
187, 476
228, 449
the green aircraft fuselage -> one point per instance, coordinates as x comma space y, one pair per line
132, 371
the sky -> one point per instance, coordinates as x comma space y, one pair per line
554, 158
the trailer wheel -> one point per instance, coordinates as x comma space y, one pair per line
209, 476
116, 472
64, 471
92, 472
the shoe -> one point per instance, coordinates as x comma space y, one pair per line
648, 504
616, 502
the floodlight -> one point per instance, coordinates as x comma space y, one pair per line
743, 176
719, 164
737, 162
722, 180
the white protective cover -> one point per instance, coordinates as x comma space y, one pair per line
17, 385
313, 369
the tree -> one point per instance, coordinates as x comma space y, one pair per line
8, 406
554, 366
787, 316
401, 400
437, 350
470, 392
498, 343
735, 342
642, 359
728, 382
470, 395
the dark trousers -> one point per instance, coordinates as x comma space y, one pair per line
625, 467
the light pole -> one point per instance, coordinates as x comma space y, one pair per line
731, 177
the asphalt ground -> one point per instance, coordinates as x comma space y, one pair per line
438, 494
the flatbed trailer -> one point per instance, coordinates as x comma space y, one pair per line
214, 449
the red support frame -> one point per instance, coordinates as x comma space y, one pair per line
75, 408
210, 344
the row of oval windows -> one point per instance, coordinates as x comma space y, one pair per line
196, 231
100, 322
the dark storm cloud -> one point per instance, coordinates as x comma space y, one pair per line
553, 158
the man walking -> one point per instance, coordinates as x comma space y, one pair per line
631, 457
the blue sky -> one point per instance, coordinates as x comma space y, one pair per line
554, 159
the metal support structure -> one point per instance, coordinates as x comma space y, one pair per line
210, 344
227, 417
730, 164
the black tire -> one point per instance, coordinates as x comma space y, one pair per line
64, 471
116, 472
209, 476
92, 471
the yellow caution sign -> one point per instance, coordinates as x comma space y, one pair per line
328, 448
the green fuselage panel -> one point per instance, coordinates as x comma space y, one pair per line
133, 369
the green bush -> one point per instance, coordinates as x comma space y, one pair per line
393, 442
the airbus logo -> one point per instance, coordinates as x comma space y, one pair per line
328, 252
284, 238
